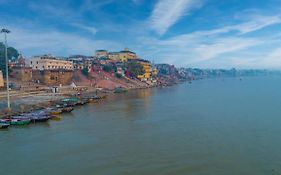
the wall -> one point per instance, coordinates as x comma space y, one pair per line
22, 73
53, 77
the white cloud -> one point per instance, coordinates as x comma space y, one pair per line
90, 29
167, 12
36, 42
219, 47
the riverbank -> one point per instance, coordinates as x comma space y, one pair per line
33, 101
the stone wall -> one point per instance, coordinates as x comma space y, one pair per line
22, 73
53, 77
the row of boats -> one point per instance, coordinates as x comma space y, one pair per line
64, 106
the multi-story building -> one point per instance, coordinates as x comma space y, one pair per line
101, 54
146, 68
113, 56
48, 62
123, 56
49, 70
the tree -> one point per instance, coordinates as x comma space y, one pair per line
12, 55
85, 71
134, 68
109, 68
118, 75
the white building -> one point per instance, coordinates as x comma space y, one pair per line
48, 62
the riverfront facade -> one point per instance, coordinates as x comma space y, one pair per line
48, 62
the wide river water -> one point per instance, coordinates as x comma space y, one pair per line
210, 127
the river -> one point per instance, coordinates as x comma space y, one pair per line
213, 126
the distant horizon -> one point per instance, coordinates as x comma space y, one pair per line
185, 33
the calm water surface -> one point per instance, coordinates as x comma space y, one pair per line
215, 126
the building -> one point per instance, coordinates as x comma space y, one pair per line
53, 77
48, 62
146, 65
113, 56
82, 64
1, 80
147, 70
101, 54
22, 73
123, 56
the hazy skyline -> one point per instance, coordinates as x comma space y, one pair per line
193, 33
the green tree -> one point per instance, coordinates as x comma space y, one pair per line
12, 55
118, 75
109, 68
85, 71
134, 68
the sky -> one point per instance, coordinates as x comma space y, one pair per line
186, 33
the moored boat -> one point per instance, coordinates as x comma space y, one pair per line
55, 112
16, 121
4, 125
67, 109
56, 117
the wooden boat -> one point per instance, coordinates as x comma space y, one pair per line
67, 109
40, 118
56, 117
93, 100
55, 112
34, 119
16, 121
4, 125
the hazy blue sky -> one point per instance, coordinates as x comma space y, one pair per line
195, 33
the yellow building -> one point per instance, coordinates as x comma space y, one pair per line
123, 56
147, 70
113, 56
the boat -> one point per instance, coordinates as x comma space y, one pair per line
37, 116
16, 121
72, 100
4, 125
93, 101
55, 112
67, 109
56, 117
40, 118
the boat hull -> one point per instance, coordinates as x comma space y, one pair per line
4, 125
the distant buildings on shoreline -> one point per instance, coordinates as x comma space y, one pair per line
51, 70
